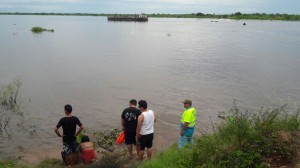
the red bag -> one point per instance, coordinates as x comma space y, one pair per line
121, 138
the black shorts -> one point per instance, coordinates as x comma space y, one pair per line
68, 149
130, 138
146, 141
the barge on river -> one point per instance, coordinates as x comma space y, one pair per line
134, 18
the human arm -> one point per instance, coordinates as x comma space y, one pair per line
59, 124
123, 124
184, 127
80, 125
185, 121
57, 132
139, 125
79, 131
123, 119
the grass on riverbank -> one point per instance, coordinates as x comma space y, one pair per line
268, 138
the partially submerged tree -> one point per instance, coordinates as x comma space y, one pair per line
10, 113
40, 30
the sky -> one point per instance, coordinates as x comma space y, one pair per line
152, 6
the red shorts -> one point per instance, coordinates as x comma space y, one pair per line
88, 156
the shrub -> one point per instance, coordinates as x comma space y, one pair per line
107, 139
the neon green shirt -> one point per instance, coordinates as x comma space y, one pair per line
189, 116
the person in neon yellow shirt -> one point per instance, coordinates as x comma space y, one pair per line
187, 125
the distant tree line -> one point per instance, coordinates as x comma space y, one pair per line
237, 15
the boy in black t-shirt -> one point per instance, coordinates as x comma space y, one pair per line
68, 124
129, 123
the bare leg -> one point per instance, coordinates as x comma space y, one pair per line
149, 153
130, 150
141, 155
137, 150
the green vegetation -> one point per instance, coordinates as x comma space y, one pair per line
107, 139
268, 138
237, 15
7, 164
40, 30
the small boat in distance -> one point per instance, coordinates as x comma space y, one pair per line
136, 18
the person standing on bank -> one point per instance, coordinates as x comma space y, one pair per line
145, 130
187, 125
68, 124
129, 123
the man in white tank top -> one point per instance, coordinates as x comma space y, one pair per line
145, 130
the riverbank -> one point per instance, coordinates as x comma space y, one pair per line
235, 16
269, 137
42, 157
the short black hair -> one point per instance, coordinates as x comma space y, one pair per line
85, 138
68, 108
133, 102
143, 104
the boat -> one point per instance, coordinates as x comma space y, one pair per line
135, 18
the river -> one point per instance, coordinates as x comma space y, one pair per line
98, 66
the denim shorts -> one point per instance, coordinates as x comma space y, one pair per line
184, 140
